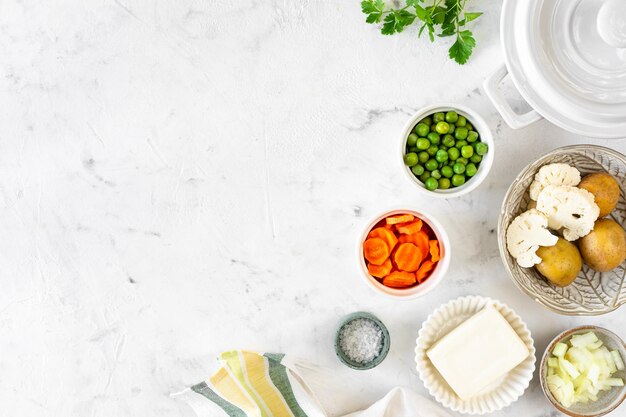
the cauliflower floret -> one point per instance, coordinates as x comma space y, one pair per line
525, 234
570, 208
553, 174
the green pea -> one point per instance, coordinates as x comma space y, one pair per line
424, 176
452, 117
458, 180
458, 168
422, 144
472, 136
423, 157
470, 170
469, 126
463, 161
431, 184
413, 149
434, 138
446, 171
436, 174
432, 150
452, 129
461, 133
422, 129
476, 158
467, 151
444, 183
482, 148
442, 128
441, 155
439, 117
411, 159
411, 140
453, 154
427, 121
460, 143
461, 121
418, 170
431, 165
448, 140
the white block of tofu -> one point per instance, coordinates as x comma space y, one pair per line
478, 352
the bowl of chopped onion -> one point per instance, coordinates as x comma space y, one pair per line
582, 371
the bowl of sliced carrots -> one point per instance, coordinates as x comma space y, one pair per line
404, 253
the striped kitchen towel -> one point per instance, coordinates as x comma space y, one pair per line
250, 384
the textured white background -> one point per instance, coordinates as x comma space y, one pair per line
180, 177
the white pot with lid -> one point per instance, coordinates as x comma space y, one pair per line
567, 58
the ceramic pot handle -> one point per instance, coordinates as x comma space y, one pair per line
492, 89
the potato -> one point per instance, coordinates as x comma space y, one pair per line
605, 247
561, 263
604, 188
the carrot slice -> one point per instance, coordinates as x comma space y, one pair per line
379, 271
419, 239
401, 218
399, 279
375, 250
408, 257
385, 234
410, 227
424, 270
434, 250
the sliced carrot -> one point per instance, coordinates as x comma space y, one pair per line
408, 257
410, 227
424, 270
399, 279
385, 234
401, 218
434, 250
419, 239
379, 271
375, 250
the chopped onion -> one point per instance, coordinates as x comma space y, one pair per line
579, 371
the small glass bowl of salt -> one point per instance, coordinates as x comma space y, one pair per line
362, 341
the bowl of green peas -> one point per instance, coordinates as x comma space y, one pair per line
447, 150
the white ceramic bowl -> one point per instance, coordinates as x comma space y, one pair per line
480, 125
499, 394
607, 400
436, 275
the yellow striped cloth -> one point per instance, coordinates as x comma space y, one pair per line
251, 384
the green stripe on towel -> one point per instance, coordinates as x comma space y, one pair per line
278, 375
203, 389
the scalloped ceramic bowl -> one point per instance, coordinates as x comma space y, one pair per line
500, 393
592, 293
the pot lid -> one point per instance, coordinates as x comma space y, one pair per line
568, 59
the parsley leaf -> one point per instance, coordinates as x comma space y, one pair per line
461, 50
442, 18
373, 9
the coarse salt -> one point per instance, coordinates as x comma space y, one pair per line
361, 340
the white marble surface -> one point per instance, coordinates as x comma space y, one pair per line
182, 177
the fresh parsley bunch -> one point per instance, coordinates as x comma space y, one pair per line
448, 17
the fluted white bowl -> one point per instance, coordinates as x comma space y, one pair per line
500, 393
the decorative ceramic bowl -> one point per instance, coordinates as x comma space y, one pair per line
481, 127
435, 277
500, 393
607, 400
384, 350
592, 293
